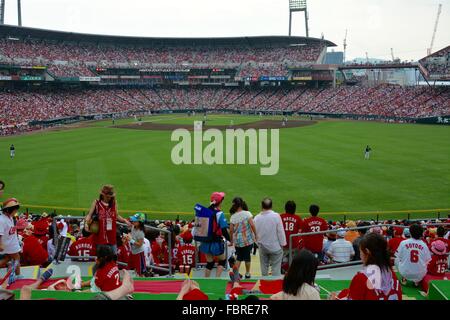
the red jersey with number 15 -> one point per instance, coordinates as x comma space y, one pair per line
292, 224
314, 243
83, 247
186, 255
437, 265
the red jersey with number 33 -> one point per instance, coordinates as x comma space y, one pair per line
314, 243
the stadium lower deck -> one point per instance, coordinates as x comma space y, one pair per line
167, 288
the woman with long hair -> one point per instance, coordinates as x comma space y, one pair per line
298, 282
102, 218
377, 280
242, 235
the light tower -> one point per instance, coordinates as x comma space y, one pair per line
298, 6
19, 12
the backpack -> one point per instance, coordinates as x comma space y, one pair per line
206, 226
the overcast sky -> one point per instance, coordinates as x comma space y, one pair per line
374, 26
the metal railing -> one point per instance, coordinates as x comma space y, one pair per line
169, 242
346, 229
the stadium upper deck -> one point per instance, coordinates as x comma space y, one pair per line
29, 45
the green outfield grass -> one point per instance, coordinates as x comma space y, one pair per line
409, 171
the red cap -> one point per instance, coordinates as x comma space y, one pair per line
21, 224
41, 227
217, 197
186, 236
398, 232
195, 294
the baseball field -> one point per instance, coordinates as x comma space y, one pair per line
320, 162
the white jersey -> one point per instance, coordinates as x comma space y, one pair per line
412, 259
147, 252
8, 234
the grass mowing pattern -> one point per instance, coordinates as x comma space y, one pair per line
409, 169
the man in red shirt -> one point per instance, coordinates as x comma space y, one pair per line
291, 223
186, 253
394, 242
83, 247
314, 243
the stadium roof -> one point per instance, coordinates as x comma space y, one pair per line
24, 32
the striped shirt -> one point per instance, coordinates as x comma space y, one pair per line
341, 250
242, 235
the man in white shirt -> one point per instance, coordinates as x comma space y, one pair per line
341, 250
9, 242
413, 256
271, 238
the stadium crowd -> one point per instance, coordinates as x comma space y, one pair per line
438, 63
418, 249
47, 52
18, 108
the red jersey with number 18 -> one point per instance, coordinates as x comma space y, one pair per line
292, 224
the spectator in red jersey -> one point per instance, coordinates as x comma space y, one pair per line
394, 242
83, 247
123, 250
33, 254
160, 250
41, 228
292, 224
440, 235
102, 218
437, 266
314, 243
377, 280
186, 253
106, 277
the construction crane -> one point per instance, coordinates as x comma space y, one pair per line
345, 45
435, 29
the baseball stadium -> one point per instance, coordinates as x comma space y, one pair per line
356, 158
